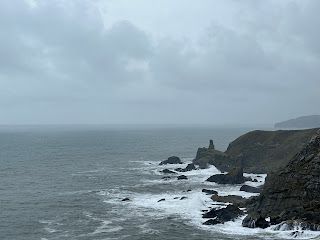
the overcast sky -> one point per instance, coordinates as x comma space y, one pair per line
158, 61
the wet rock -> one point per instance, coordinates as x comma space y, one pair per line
208, 191
167, 171
234, 199
212, 222
188, 168
166, 178
250, 189
224, 214
233, 177
161, 200
125, 199
171, 160
182, 177
182, 198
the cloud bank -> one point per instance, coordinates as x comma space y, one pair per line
70, 62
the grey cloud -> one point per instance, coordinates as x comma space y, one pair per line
59, 64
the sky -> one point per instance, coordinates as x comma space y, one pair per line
219, 62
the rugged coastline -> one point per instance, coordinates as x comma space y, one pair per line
290, 196
256, 151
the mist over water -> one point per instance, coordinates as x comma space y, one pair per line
62, 182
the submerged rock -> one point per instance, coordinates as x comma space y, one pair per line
161, 200
171, 160
188, 168
182, 177
233, 177
125, 199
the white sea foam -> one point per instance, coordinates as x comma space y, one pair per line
190, 208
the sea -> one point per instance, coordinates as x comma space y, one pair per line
68, 182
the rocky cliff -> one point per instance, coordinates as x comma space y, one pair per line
256, 151
292, 193
300, 122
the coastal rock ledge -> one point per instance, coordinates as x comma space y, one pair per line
292, 194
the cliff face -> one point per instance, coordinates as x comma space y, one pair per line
300, 122
293, 193
257, 151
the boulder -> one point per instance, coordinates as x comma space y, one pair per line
182, 177
234, 199
250, 189
171, 160
208, 191
224, 214
233, 177
253, 222
167, 171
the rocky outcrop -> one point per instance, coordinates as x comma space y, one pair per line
171, 160
256, 151
223, 215
292, 193
188, 168
208, 191
251, 189
233, 177
234, 199
312, 121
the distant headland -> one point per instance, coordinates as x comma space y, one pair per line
312, 121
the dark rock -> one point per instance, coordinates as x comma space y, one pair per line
211, 146
212, 222
253, 222
179, 170
167, 171
182, 198
162, 199
176, 198
293, 192
190, 167
166, 178
171, 160
250, 189
234, 199
274, 220
254, 180
233, 177
125, 199
224, 214
182, 177
208, 191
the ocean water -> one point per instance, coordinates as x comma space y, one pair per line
67, 182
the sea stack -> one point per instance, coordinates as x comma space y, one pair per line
211, 146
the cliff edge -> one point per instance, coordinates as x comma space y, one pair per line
292, 193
